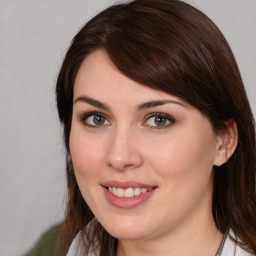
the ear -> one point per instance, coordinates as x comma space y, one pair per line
226, 142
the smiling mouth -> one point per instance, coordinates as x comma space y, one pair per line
128, 192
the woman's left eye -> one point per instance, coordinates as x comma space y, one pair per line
158, 120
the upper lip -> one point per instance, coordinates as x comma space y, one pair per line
126, 184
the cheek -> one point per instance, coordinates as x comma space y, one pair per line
86, 157
182, 155
85, 153
184, 171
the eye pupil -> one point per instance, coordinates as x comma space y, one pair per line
160, 121
98, 120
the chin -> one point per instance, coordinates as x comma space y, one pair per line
127, 229
138, 234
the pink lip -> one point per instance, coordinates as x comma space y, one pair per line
124, 202
127, 184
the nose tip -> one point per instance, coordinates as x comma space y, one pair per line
121, 164
124, 153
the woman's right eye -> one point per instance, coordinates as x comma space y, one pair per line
94, 119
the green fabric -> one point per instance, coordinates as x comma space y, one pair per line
49, 244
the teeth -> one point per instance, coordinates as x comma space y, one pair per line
120, 192
114, 191
129, 192
137, 191
144, 190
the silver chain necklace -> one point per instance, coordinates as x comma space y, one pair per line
222, 244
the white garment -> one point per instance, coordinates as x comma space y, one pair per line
230, 248
76, 248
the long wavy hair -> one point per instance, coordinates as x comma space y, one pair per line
170, 46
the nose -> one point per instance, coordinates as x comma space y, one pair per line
124, 151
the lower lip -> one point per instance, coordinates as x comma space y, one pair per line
127, 202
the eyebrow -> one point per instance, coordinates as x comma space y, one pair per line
140, 107
91, 102
155, 103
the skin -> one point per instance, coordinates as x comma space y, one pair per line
177, 157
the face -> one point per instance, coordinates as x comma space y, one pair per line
142, 158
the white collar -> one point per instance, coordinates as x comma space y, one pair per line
230, 248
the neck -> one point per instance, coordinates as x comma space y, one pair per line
198, 239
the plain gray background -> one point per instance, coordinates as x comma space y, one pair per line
34, 36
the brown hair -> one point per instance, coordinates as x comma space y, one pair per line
170, 46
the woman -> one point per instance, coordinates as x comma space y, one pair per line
159, 136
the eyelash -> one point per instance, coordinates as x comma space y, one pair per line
83, 117
167, 117
86, 115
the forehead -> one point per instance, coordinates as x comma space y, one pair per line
99, 78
